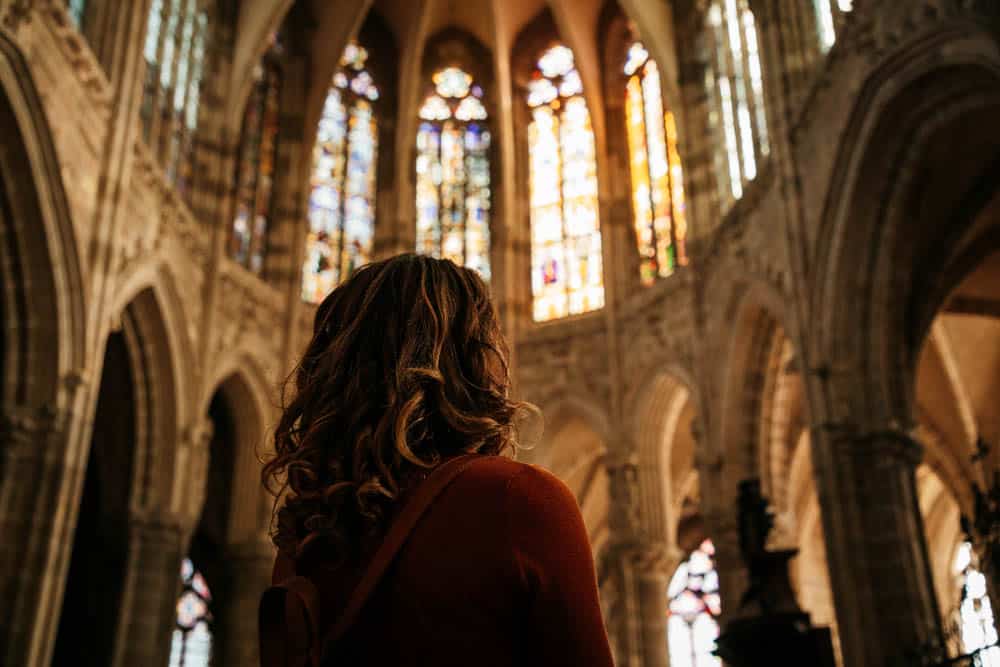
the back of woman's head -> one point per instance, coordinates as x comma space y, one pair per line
406, 367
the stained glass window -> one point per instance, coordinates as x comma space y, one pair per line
453, 172
976, 624
566, 264
826, 13
342, 203
824, 24
174, 51
693, 607
77, 11
657, 176
735, 84
258, 152
191, 645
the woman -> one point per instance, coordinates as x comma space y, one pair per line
406, 372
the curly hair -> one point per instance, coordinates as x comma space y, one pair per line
407, 367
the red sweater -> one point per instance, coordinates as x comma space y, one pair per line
498, 572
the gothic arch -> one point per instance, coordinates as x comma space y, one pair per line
751, 351
161, 367
911, 178
245, 391
43, 354
663, 422
43, 287
336, 21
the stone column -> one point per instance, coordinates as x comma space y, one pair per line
249, 574
880, 569
651, 562
636, 617
32, 510
149, 601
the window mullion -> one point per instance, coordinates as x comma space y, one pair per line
566, 237
349, 105
654, 235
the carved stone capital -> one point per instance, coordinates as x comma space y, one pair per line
888, 444
27, 431
16, 13
157, 530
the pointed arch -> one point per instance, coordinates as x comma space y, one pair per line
43, 296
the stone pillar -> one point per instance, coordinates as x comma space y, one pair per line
249, 574
636, 617
149, 602
651, 583
32, 509
880, 569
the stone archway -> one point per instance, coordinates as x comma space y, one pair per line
124, 540
916, 170
42, 386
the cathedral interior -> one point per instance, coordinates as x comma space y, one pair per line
729, 241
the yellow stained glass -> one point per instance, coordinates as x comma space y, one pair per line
657, 177
567, 267
639, 169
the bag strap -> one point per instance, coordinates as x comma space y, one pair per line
294, 597
399, 531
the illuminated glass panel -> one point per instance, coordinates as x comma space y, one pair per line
975, 618
824, 24
453, 172
566, 263
191, 644
342, 201
174, 51
736, 85
255, 167
77, 11
693, 608
657, 177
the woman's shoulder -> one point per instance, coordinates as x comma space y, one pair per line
521, 483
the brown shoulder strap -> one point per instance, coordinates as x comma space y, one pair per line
288, 622
400, 529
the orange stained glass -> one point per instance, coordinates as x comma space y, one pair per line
657, 177
639, 169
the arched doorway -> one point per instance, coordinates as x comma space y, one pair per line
204, 576
92, 600
228, 559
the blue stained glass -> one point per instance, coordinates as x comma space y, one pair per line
191, 644
77, 10
452, 169
342, 203
170, 37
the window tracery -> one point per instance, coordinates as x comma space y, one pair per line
453, 172
693, 609
658, 203
735, 84
174, 51
191, 643
566, 264
258, 151
826, 25
342, 201
975, 618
